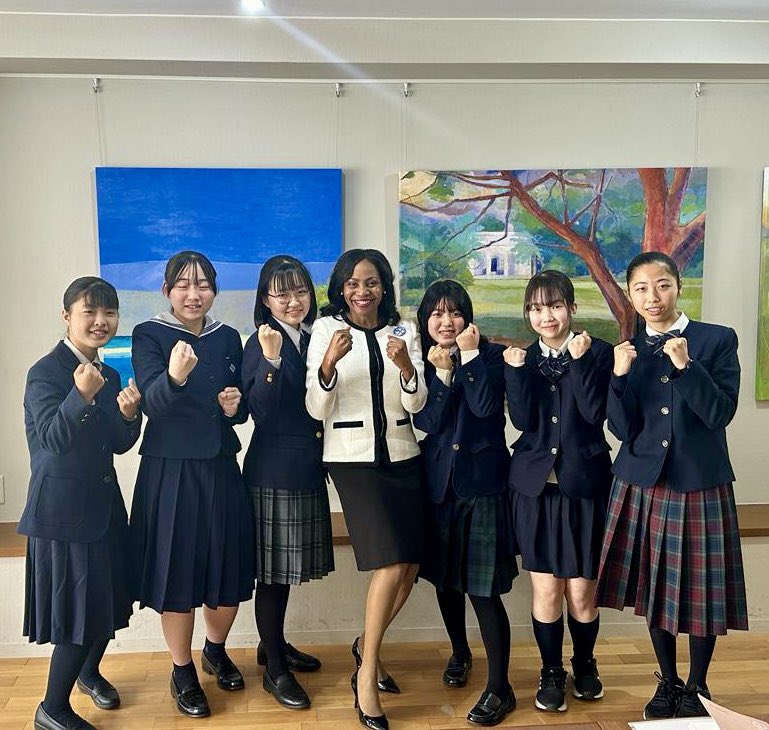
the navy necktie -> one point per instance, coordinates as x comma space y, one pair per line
553, 368
657, 342
304, 343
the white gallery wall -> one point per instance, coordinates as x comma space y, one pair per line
54, 130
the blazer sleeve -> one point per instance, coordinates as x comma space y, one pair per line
159, 393
432, 418
235, 346
591, 389
622, 408
712, 394
320, 398
414, 398
483, 383
59, 416
262, 382
520, 397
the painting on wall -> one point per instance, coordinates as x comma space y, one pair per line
762, 355
493, 229
236, 217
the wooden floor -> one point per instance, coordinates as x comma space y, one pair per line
739, 678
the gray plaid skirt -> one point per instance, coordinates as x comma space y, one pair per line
470, 545
292, 535
675, 558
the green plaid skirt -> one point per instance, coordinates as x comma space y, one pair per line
292, 535
469, 545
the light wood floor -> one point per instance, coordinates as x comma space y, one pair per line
739, 678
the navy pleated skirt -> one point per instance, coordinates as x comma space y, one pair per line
191, 534
77, 592
559, 535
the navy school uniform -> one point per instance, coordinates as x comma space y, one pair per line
76, 574
465, 462
191, 517
672, 548
558, 527
283, 467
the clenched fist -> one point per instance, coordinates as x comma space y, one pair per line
88, 381
440, 357
677, 349
579, 345
229, 400
469, 338
271, 341
624, 354
514, 356
128, 400
182, 362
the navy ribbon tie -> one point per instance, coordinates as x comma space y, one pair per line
657, 342
304, 343
553, 368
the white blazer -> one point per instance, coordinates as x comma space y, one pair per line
367, 396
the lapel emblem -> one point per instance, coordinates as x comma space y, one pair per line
399, 330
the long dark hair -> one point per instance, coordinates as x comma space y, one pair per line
179, 262
552, 286
388, 312
288, 273
97, 293
454, 295
650, 257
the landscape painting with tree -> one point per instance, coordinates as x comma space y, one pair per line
493, 229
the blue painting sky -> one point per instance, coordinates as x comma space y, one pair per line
237, 217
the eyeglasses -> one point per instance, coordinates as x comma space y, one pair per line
286, 296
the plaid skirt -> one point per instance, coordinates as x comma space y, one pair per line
675, 558
292, 535
469, 545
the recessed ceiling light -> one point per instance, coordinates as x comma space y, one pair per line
252, 6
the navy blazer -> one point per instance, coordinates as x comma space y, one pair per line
561, 424
465, 426
187, 422
71, 443
672, 423
286, 450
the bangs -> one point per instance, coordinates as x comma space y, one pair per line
447, 304
545, 294
100, 295
289, 278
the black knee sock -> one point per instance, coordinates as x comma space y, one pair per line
583, 636
549, 638
66, 662
89, 673
270, 609
495, 631
700, 653
452, 605
185, 675
664, 644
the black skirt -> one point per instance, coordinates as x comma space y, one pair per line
470, 545
192, 537
559, 535
384, 507
292, 534
78, 592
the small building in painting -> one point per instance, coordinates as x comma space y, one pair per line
503, 258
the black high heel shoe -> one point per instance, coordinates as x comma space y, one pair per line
387, 683
378, 722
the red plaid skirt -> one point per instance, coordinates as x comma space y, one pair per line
675, 558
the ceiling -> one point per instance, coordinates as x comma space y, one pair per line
737, 10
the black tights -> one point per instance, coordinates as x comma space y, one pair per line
270, 609
69, 661
495, 632
700, 653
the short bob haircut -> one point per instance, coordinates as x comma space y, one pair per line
388, 312
547, 287
178, 264
653, 257
447, 291
97, 293
287, 273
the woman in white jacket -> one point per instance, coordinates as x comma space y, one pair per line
364, 380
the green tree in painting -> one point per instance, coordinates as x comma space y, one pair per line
595, 219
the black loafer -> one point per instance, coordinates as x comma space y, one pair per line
287, 691
190, 700
492, 709
43, 721
296, 661
227, 675
457, 670
103, 694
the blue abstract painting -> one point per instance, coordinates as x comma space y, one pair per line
236, 217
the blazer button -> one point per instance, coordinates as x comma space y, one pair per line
554, 450
664, 379
554, 419
553, 387
107, 479
664, 410
471, 378
269, 377
455, 447
211, 378
665, 443
214, 415
318, 434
